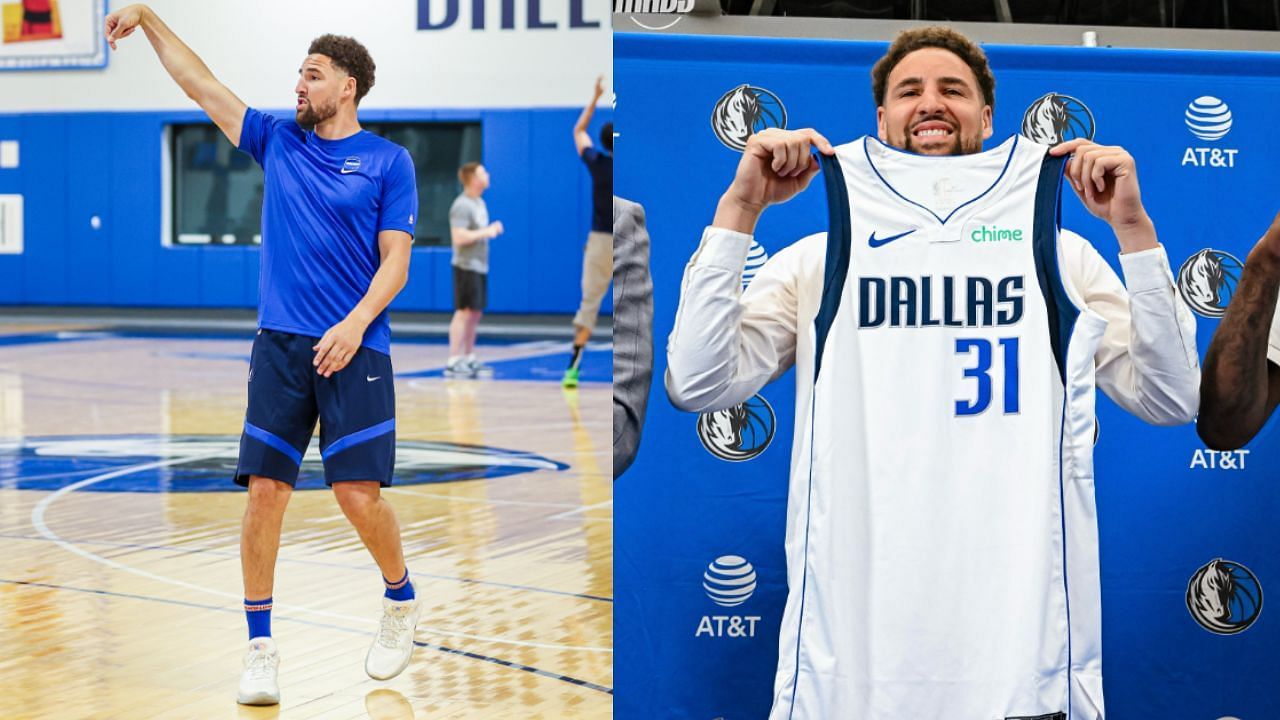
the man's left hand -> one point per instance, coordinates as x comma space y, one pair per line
338, 346
1105, 177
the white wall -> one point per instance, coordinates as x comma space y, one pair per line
256, 46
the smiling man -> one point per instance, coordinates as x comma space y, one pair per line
338, 214
947, 337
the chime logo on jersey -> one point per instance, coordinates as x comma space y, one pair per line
1208, 279
1224, 597
738, 433
729, 581
744, 111
1056, 118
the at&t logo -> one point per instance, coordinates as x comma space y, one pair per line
1208, 279
757, 256
1224, 597
745, 111
1218, 460
729, 581
1208, 118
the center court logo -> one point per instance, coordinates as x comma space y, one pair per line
1224, 597
745, 111
738, 433
206, 463
729, 581
1208, 279
1056, 118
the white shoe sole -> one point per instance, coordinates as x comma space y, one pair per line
261, 698
398, 670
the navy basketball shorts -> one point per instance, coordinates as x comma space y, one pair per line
356, 407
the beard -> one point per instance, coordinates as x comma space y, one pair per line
311, 114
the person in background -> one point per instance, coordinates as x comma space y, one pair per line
597, 260
470, 232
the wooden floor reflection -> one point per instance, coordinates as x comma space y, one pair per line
120, 590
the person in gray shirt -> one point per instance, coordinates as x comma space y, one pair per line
632, 330
470, 232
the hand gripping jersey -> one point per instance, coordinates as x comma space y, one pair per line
942, 540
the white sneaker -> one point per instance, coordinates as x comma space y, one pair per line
258, 684
479, 369
459, 369
389, 655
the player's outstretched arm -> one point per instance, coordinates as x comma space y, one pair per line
1239, 388
581, 139
184, 66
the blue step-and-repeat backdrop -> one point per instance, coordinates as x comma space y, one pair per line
705, 501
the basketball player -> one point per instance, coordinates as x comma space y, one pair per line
337, 225
941, 544
1241, 384
597, 259
470, 232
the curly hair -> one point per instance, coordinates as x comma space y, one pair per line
936, 36
348, 55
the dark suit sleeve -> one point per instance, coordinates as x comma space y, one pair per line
632, 330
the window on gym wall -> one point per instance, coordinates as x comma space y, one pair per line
217, 190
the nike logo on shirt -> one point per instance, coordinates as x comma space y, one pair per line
877, 242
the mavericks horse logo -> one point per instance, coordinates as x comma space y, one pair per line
1056, 119
1208, 279
744, 111
738, 433
1224, 597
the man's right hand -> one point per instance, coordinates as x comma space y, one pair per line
122, 23
495, 229
775, 166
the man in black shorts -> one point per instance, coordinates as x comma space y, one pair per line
470, 232
338, 215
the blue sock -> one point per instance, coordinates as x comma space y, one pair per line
258, 613
400, 590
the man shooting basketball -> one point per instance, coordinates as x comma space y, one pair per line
948, 336
337, 225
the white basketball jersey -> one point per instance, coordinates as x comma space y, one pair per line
942, 534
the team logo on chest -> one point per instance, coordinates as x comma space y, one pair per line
350, 165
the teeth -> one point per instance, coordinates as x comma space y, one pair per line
931, 133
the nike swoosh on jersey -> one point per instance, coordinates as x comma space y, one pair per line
875, 242
371, 379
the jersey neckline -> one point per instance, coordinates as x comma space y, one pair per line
1008, 147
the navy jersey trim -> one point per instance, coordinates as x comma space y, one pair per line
357, 437
839, 248
273, 441
1062, 312
1008, 160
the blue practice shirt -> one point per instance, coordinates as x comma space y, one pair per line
324, 203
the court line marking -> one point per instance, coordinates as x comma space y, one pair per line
37, 520
179, 550
440, 648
